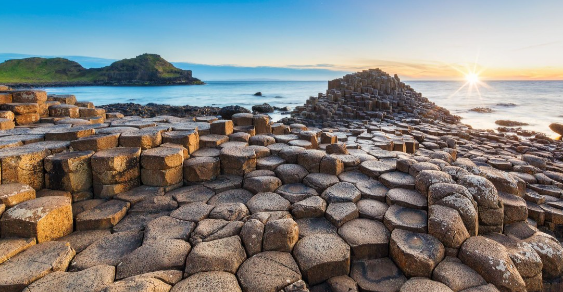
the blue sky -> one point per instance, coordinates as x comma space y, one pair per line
416, 39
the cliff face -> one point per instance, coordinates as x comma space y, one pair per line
146, 69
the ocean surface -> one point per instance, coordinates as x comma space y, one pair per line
537, 103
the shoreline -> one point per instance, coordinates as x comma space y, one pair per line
368, 184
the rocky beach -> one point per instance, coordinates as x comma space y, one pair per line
368, 186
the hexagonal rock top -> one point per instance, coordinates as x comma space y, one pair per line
415, 253
14, 193
208, 282
46, 218
34, 263
368, 239
268, 271
322, 256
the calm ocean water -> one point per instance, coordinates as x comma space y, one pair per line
535, 102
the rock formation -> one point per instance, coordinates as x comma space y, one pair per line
368, 187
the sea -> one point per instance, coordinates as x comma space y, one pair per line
537, 103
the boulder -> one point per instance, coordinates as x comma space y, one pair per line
446, 225
456, 275
423, 284
108, 250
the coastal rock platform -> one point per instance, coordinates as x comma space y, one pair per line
367, 187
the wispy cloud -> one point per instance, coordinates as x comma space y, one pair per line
538, 46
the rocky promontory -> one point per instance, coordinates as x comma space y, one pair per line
367, 187
146, 69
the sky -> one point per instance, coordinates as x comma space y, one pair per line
426, 40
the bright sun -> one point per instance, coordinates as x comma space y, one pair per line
472, 78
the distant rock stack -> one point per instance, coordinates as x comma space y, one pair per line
370, 94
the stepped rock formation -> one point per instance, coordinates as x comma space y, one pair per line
367, 187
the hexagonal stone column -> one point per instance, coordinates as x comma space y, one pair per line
115, 171
33, 264
200, 169
23, 165
415, 253
237, 160
162, 166
14, 193
69, 171
46, 218
188, 139
321, 257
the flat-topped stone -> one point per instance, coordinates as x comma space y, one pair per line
103, 216
89, 280
407, 198
405, 218
12, 194
9, 247
33, 264
415, 253
368, 239
208, 282
321, 257
377, 275
107, 251
45, 219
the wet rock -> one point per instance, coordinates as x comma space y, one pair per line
262, 108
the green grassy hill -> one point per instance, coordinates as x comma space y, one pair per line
146, 69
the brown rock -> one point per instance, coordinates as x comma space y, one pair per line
103, 216
280, 235
492, 262
322, 256
33, 264
200, 169
268, 271
90, 280
46, 219
12, 194
415, 253
208, 282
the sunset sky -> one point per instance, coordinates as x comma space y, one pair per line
415, 39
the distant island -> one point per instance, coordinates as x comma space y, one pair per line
146, 69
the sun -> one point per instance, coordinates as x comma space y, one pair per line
472, 78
